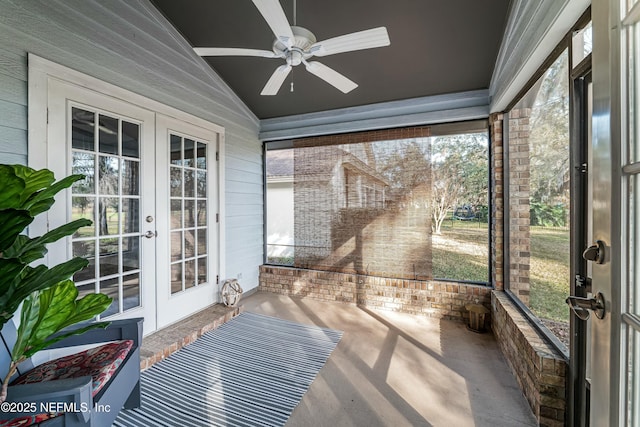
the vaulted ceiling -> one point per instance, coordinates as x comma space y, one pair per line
437, 47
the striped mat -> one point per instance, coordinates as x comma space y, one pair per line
252, 371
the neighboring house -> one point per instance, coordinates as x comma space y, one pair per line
329, 183
279, 192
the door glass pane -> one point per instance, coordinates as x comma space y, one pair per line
84, 207
109, 257
108, 216
108, 175
201, 184
131, 253
189, 212
202, 213
130, 215
175, 147
202, 270
131, 291
82, 129
130, 177
87, 250
84, 164
189, 243
112, 201
176, 214
176, 246
110, 288
202, 241
176, 277
130, 139
201, 159
108, 135
175, 182
189, 273
189, 154
189, 183
188, 209
86, 290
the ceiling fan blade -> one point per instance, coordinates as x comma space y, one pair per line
232, 51
331, 76
276, 80
367, 39
272, 12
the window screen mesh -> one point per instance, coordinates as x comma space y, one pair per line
364, 206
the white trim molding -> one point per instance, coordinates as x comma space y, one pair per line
411, 112
534, 29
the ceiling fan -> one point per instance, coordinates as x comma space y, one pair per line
296, 45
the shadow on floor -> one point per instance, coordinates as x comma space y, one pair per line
393, 369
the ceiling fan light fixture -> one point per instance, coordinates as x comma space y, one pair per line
294, 57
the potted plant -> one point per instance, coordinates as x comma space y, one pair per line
48, 296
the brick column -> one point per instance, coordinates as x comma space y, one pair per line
519, 206
497, 201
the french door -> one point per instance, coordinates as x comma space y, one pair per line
151, 191
110, 142
186, 194
615, 339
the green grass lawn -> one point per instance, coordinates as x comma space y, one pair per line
461, 253
549, 273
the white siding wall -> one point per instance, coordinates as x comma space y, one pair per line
129, 44
280, 218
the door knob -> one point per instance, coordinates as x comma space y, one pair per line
582, 307
595, 252
150, 234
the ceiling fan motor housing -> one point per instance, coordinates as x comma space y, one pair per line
303, 39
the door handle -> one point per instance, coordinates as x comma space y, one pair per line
595, 252
582, 307
150, 234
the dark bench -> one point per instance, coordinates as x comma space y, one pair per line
72, 397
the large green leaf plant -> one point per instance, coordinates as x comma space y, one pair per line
49, 298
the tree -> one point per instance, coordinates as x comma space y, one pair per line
460, 174
455, 168
405, 165
549, 138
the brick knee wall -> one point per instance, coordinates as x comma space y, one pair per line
445, 300
539, 368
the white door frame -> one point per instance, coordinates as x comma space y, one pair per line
42, 73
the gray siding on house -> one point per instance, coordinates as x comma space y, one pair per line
129, 44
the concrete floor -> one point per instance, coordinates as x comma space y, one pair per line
393, 369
